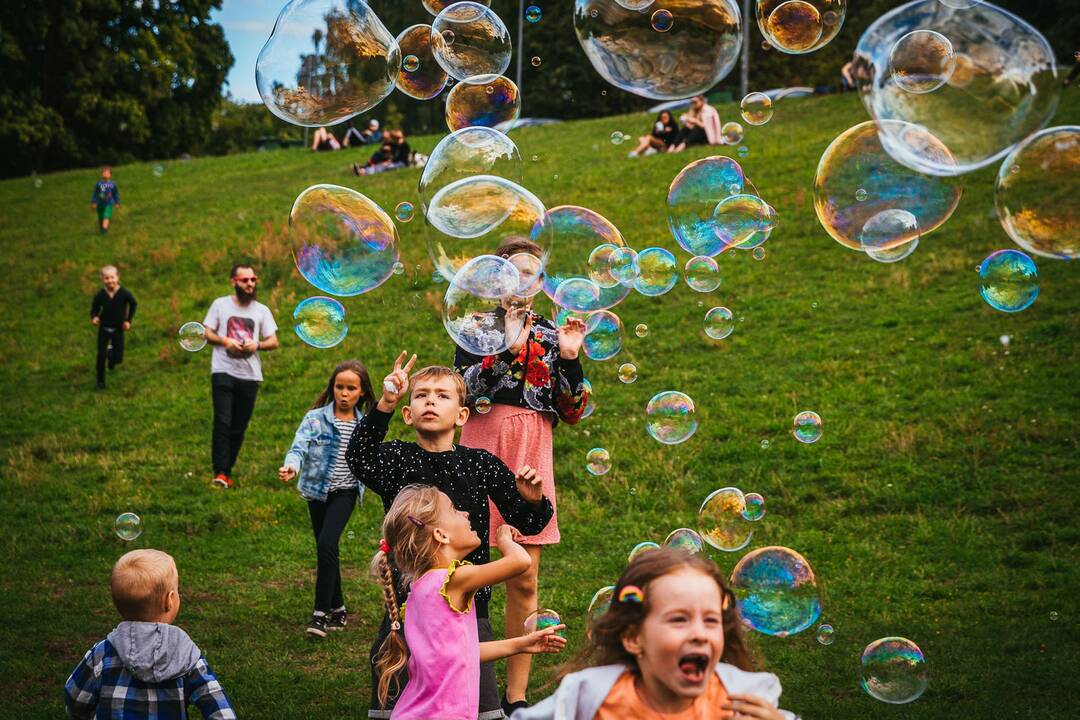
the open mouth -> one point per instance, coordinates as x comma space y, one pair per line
694, 667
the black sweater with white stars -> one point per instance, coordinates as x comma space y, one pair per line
468, 476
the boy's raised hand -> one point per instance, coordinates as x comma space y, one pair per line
396, 384
529, 485
543, 641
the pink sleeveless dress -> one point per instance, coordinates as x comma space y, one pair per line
444, 653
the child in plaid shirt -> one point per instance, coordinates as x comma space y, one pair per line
147, 668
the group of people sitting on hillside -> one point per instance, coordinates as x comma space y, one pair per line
699, 125
393, 153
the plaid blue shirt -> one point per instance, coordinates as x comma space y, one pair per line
101, 687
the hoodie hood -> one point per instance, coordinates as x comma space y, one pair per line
154, 652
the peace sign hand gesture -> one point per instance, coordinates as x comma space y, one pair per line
396, 384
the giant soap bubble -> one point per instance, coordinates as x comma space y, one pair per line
856, 166
326, 61
698, 51
468, 152
427, 79
1037, 193
343, 243
800, 26
470, 40
894, 670
479, 311
996, 83
585, 240
485, 101
776, 591
437, 6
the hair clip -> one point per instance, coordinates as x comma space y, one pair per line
631, 594
395, 626
415, 521
383, 546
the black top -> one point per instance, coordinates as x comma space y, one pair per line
402, 152
379, 156
114, 311
666, 133
467, 475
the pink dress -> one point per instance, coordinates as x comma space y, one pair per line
444, 653
518, 436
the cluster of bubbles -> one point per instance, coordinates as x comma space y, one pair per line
320, 321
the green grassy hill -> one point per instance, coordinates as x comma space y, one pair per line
941, 503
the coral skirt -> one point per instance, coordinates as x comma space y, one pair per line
517, 436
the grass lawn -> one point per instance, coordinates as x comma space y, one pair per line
940, 504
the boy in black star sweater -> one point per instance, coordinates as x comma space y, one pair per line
468, 476
112, 310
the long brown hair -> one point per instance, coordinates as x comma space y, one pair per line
605, 646
367, 397
408, 531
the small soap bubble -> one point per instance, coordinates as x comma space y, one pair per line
600, 604
617, 138
732, 133
633, 491
755, 507
894, 670
759, 253
1005, 340
598, 461
1053, 615
765, 444
399, 268
721, 522
38, 182
671, 417
662, 20
351, 535
411, 63
806, 427
640, 549
404, 211
192, 336
128, 526
826, 634
541, 619
158, 171
685, 539
482, 405
719, 323
627, 373
860, 194
702, 274
533, 14
535, 61
1008, 281
756, 108
743, 151
641, 330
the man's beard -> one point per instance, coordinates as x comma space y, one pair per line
244, 296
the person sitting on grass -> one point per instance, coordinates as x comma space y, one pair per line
660, 139
436, 409
105, 197
324, 140
146, 667
700, 126
380, 160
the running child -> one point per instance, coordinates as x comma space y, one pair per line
105, 197
112, 310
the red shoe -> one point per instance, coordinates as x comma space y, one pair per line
223, 480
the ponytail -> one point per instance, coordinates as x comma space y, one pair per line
393, 655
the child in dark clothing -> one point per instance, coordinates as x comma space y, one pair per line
112, 311
379, 161
468, 476
105, 196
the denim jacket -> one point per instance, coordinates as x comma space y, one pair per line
313, 451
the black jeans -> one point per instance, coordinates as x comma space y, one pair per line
110, 347
328, 520
692, 136
234, 401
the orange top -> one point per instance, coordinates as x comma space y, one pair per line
624, 703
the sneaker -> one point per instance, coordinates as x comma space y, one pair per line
338, 619
650, 151
317, 626
508, 707
223, 480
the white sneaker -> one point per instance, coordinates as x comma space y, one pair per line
650, 151
632, 154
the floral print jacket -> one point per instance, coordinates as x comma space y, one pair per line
536, 378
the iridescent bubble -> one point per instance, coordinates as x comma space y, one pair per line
600, 604
1053, 615
657, 272
404, 211
921, 61
158, 171
670, 417
485, 101
598, 461
685, 539
697, 50
542, 619
894, 670
601, 261
128, 526
756, 108
765, 444
535, 62
590, 404
759, 253
744, 220
890, 229
617, 138
799, 26
437, 6
342, 242
577, 232
636, 5
719, 323
353, 66
38, 182
732, 133
478, 311
775, 590
702, 274
893, 254
721, 522
531, 271
640, 549
481, 44
482, 405
1003, 86
1008, 281
533, 14
577, 294
192, 336
692, 199
421, 78
806, 427
743, 151
755, 507
603, 338
627, 373
826, 634
467, 153
398, 268
320, 321
642, 330
1034, 197
856, 161
624, 266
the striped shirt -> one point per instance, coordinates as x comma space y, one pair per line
341, 477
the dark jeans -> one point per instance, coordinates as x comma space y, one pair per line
234, 401
110, 347
692, 136
490, 698
328, 520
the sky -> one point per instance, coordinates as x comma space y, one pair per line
247, 25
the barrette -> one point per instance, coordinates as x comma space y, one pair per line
631, 594
383, 546
415, 521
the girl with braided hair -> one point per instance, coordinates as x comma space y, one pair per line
425, 542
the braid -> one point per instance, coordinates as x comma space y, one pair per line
393, 655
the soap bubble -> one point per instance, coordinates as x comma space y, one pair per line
1008, 281
533, 14
685, 539
719, 323
775, 590
890, 229
577, 232
577, 294
320, 321
698, 49
702, 274
481, 43
893, 254
477, 310
1036, 203
427, 79
437, 6
657, 272
343, 243
600, 604
765, 444
692, 199
921, 61
128, 526
800, 26
732, 133
1003, 86
640, 549
623, 265
1053, 616
617, 138
158, 171
535, 62
826, 634
743, 151
590, 404
487, 101
466, 153
855, 161
670, 417
603, 338
627, 373
404, 211
531, 271
642, 330
744, 220
637, 5
894, 670
350, 71
602, 265
721, 522
482, 405
806, 427
759, 253
542, 619
755, 507
598, 461
192, 336
756, 108
399, 268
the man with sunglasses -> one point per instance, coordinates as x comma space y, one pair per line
238, 326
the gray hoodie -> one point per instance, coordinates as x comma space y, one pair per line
154, 652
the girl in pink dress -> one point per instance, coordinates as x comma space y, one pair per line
435, 638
